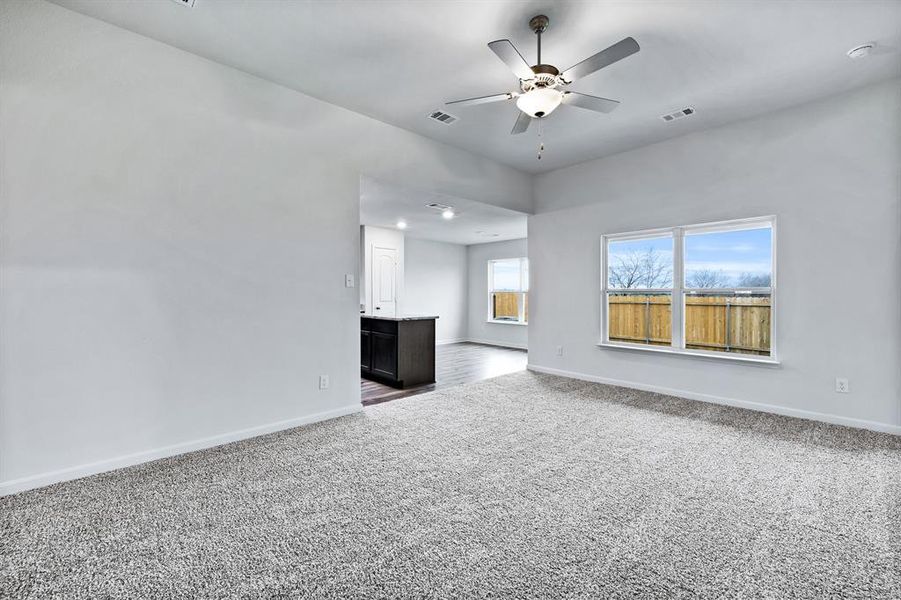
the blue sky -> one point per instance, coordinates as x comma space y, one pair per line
506, 274
732, 252
663, 248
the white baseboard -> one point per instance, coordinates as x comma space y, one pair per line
450, 341
41, 479
499, 344
758, 406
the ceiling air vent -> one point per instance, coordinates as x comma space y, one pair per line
679, 114
188, 3
443, 117
438, 206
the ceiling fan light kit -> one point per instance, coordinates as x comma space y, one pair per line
542, 87
539, 102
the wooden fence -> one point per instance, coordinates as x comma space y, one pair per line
505, 306
724, 323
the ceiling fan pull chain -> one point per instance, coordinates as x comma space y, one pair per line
540, 141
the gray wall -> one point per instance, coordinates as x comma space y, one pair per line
829, 171
175, 236
436, 284
504, 334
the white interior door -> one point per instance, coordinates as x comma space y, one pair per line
384, 281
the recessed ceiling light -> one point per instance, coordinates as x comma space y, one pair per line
448, 213
862, 50
401, 224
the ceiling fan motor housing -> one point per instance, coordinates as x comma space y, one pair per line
541, 80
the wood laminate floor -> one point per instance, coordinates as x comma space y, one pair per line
455, 364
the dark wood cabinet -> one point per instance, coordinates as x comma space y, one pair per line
365, 351
384, 354
398, 352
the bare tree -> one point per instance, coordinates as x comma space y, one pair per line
706, 278
640, 269
753, 280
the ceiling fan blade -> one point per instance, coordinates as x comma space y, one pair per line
508, 53
595, 103
482, 99
522, 123
617, 51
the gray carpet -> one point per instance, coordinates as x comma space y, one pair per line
524, 486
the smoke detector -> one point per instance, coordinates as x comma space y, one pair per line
188, 3
439, 207
679, 114
862, 50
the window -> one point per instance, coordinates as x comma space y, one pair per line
699, 289
508, 290
640, 289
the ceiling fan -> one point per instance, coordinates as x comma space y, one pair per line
542, 87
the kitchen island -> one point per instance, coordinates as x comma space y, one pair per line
398, 351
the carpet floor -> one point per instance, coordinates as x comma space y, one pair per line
523, 486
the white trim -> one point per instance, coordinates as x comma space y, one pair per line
677, 303
14, 486
747, 404
500, 322
733, 356
729, 225
450, 341
642, 234
513, 345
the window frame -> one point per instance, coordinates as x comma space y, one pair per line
522, 291
680, 292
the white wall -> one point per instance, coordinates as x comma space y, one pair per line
384, 238
829, 171
436, 284
175, 235
480, 330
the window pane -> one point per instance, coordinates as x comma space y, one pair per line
638, 264
505, 306
525, 274
505, 274
728, 259
728, 322
639, 318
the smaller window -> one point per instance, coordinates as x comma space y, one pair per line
729, 288
508, 290
640, 290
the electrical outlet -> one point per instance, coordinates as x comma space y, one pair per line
323, 382
842, 386
348, 280
559, 350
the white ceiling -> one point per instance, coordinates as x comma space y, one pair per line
399, 60
383, 205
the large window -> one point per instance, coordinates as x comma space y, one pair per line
508, 290
700, 289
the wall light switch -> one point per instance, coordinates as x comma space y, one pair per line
559, 350
323, 382
842, 386
348, 280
